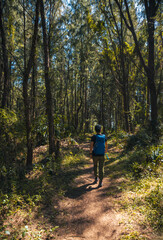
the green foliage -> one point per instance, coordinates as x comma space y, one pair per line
40, 130
12, 143
73, 159
48, 180
154, 201
141, 191
146, 199
145, 153
11, 128
121, 135
145, 161
132, 236
98, 27
141, 139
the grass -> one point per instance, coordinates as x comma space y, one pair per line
28, 206
27, 209
139, 186
133, 236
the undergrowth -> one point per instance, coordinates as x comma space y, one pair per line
142, 193
25, 197
24, 201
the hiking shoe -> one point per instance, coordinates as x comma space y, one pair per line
100, 184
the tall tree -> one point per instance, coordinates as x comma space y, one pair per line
151, 7
49, 102
5, 60
25, 89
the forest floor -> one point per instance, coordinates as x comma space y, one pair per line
94, 213
71, 207
90, 212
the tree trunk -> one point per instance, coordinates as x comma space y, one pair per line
102, 100
6, 88
25, 91
76, 116
1, 80
33, 89
151, 9
47, 81
86, 108
150, 71
67, 96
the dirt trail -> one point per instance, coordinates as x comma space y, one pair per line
87, 211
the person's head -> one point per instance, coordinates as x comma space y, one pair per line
98, 128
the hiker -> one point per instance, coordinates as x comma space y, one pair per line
98, 148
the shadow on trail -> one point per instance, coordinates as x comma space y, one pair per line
79, 191
75, 183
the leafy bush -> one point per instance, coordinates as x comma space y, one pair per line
40, 130
122, 135
145, 161
142, 139
12, 143
8, 121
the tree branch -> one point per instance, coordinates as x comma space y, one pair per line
132, 30
125, 20
157, 5
146, 9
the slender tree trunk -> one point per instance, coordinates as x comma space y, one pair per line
109, 120
124, 78
6, 87
67, 97
25, 91
72, 101
151, 57
1, 80
86, 107
147, 104
76, 116
33, 89
47, 82
151, 9
102, 100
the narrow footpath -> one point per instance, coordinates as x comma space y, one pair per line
87, 211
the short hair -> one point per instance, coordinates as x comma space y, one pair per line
98, 128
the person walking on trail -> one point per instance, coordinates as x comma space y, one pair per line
98, 148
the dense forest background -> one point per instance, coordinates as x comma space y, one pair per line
64, 67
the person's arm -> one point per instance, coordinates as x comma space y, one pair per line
91, 148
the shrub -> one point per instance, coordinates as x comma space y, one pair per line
142, 139
155, 206
144, 161
12, 142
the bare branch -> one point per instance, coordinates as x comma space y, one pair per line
131, 28
125, 20
146, 9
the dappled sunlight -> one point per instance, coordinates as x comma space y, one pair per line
69, 205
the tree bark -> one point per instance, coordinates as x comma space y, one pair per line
150, 72
47, 81
6, 87
33, 89
25, 91
1, 80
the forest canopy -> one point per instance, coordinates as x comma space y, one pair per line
67, 65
